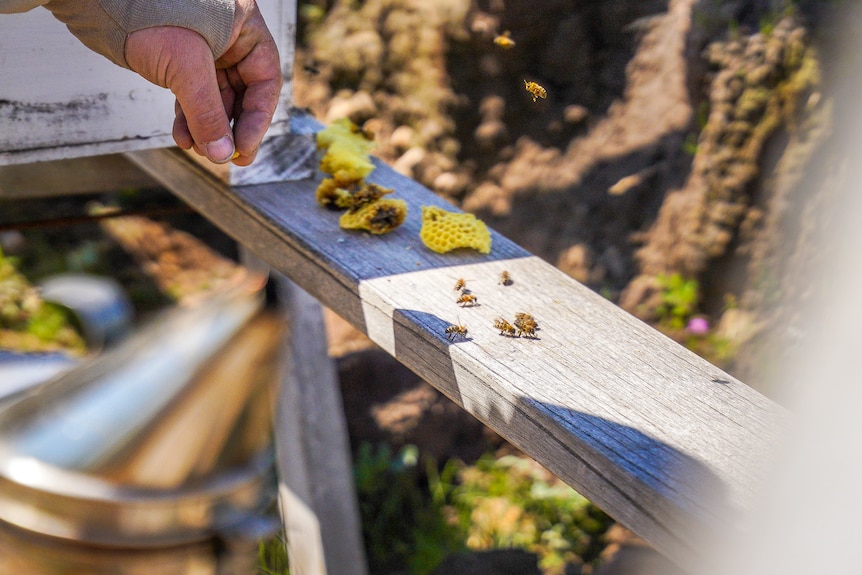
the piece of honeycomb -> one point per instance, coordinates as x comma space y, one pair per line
444, 231
368, 193
379, 217
335, 194
347, 150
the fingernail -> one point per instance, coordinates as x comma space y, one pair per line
221, 150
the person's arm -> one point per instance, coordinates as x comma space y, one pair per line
216, 56
15, 6
104, 25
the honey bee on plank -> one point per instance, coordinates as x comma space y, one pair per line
505, 279
456, 331
526, 325
504, 40
505, 327
467, 299
535, 90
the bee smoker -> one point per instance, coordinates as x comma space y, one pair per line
154, 456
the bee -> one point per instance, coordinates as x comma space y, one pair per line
460, 285
505, 327
467, 299
504, 40
505, 279
535, 90
455, 331
526, 324
384, 220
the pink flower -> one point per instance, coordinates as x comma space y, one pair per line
697, 326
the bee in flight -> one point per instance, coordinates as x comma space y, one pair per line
467, 299
460, 285
505, 327
504, 40
455, 331
535, 90
506, 279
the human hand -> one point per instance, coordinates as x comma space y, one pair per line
242, 86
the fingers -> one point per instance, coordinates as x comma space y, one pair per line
182, 135
242, 87
253, 69
181, 60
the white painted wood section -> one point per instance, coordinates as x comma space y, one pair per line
60, 100
662, 440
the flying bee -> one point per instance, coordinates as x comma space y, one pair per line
535, 90
505, 279
467, 299
504, 40
455, 331
460, 285
505, 327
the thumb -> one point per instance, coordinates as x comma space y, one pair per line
181, 60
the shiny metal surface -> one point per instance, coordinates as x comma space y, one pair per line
163, 440
24, 553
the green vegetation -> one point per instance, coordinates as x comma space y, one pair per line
679, 298
27, 323
413, 519
512, 502
405, 529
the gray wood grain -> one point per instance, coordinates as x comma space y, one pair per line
318, 503
662, 440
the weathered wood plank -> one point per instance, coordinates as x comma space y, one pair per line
60, 100
317, 499
663, 441
323, 530
74, 176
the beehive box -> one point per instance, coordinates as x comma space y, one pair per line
60, 100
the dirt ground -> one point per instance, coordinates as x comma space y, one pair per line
672, 140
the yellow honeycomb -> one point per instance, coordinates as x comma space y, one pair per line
347, 151
379, 217
334, 194
443, 231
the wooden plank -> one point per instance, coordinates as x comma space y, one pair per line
662, 440
317, 498
60, 100
318, 501
74, 176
